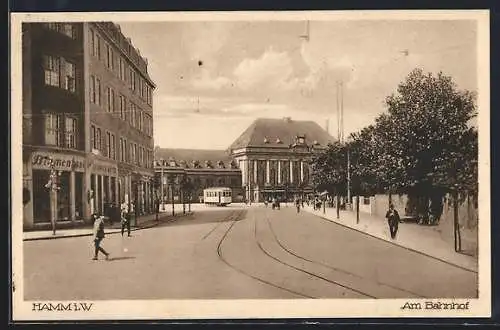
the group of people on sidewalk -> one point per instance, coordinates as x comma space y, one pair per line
98, 229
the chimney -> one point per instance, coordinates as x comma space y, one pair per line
327, 126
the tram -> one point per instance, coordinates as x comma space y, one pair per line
219, 196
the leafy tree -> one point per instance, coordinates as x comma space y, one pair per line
430, 147
329, 169
423, 146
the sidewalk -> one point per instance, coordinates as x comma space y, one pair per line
147, 221
418, 238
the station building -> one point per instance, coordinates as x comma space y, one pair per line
271, 158
274, 157
88, 117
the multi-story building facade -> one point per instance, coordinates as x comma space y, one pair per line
88, 116
200, 168
274, 157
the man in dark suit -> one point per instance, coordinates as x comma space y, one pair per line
393, 220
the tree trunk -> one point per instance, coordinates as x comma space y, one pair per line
338, 205
173, 206
357, 209
456, 225
183, 202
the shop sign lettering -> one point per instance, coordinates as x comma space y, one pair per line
104, 170
58, 162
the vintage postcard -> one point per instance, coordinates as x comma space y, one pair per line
232, 165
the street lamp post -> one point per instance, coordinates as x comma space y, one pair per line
161, 186
171, 184
348, 178
53, 187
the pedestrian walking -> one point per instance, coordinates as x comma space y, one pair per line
393, 220
98, 237
297, 204
125, 219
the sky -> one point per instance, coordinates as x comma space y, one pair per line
214, 78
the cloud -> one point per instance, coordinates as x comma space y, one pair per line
204, 40
271, 70
207, 82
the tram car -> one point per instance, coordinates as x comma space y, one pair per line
217, 196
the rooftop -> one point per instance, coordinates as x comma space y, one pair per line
194, 158
267, 132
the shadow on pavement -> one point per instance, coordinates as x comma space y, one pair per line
120, 258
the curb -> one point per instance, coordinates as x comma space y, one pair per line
396, 244
114, 231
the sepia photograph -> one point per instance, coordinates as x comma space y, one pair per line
250, 165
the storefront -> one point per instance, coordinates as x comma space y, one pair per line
68, 200
104, 186
136, 186
142, 192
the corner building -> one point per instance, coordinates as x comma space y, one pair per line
88, 115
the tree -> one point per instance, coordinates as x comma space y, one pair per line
430, 147
329, 169
424, 146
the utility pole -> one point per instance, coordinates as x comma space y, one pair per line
161, 186
172, 190
348, 177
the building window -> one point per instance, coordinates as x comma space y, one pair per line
92, 90
121, 72
95, 41
96, 137
51, 66
113, 147
131, 153
132, 114
108, 145
69, 77
95, 90
98, 91
109, 57
69, 30
123, 107
110, 94
97, 46
92, 136
136, 154
149, 94
53, 129
143, 88
123, 150
132, 82
70, 133
139, 119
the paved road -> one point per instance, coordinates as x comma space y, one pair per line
239, 253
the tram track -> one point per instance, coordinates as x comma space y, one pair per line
290, 252
261, 280
299, 269
219, 223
